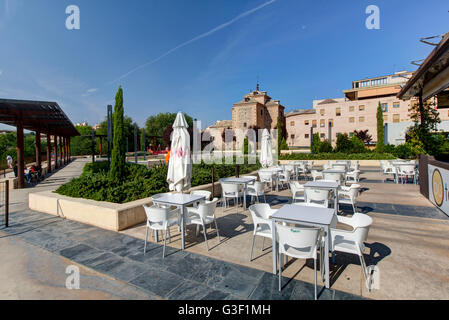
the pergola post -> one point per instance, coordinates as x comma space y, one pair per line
56, 151
64, 148
70, 155
48, 153
20, 158
38, 148
61, 156
101, 146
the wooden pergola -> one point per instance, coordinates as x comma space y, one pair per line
42, 118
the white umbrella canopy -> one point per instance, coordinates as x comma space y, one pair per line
266, 152
180, 165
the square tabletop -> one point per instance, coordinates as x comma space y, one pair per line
179, 199
308, 214
322, 184
334, 171
237, 180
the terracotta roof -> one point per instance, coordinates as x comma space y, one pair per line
327, 101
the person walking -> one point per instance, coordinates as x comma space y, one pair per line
9, 161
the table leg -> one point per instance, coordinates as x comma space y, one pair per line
273, 248
244, 197
182, 228
326, 256
336, 200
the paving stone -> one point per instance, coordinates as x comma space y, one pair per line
190, 290
158, 282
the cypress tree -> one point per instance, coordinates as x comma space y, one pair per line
380, 146
118, 151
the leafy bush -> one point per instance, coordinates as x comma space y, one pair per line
284, 145
339, 156
357, 145
316, 143
139, 181
404, 151
325, 147
344, 144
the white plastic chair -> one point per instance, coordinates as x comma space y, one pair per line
349, 195
317, 195
203, 193
352, 242
256, 190
299, 243
353, 175
203, 216
267, 177
159, 219
231, 190
337, 177
316, 175
297, 190
284, 177
253, 178
261, 214
406, 171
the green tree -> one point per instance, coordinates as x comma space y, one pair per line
344, 144
118, 151
316, 144
281, 135
128, 125
380, 145
284, 145
421, 135
326, 147
357, 145
246, 146
156, 125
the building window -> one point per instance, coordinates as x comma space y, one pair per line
379, 82
396, 104
292, 123
351, 134
362, 108
331, 122
362, 119
306, 136
351, 109
385, 107
351, 120
322, 111
385, 117
322, 136
338, 112
244, 125
322, 123
396, 118
314, 123
261, 112
292, 137
364, 84
306, 123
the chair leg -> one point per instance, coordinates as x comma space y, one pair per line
169, 235
252, 248
146, 238
280, 272
165, 242
216, 227
205, 237
263, 243
314, 269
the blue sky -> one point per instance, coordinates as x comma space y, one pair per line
301, 50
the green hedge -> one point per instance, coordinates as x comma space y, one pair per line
140, 182
338, 156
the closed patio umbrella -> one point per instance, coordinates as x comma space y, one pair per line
266, 152
180, 164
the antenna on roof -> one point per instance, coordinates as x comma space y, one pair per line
257, 87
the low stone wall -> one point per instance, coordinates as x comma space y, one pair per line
105, 215
363, 163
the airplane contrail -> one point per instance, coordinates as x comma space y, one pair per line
201, 36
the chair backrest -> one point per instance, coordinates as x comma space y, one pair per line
259, 187
317, 195
156, 215
207, 209
407, 169
339, 167
354, 190
265, 176
254, 179
261, 211
289, 167
361, 224
296, 187
230, 189
304, 240
338, 177
203, 193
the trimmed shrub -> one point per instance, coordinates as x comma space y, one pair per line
339, 156
326, 147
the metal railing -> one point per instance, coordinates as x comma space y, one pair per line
4, 203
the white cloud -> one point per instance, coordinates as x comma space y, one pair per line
201, 36
1, 72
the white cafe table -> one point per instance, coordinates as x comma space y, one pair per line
274, 171
181, 201
308, 216
334, 171
325, 185
240, 181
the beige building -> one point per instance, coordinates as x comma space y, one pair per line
356, 111
256, 111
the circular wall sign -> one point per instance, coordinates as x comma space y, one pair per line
437, 187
